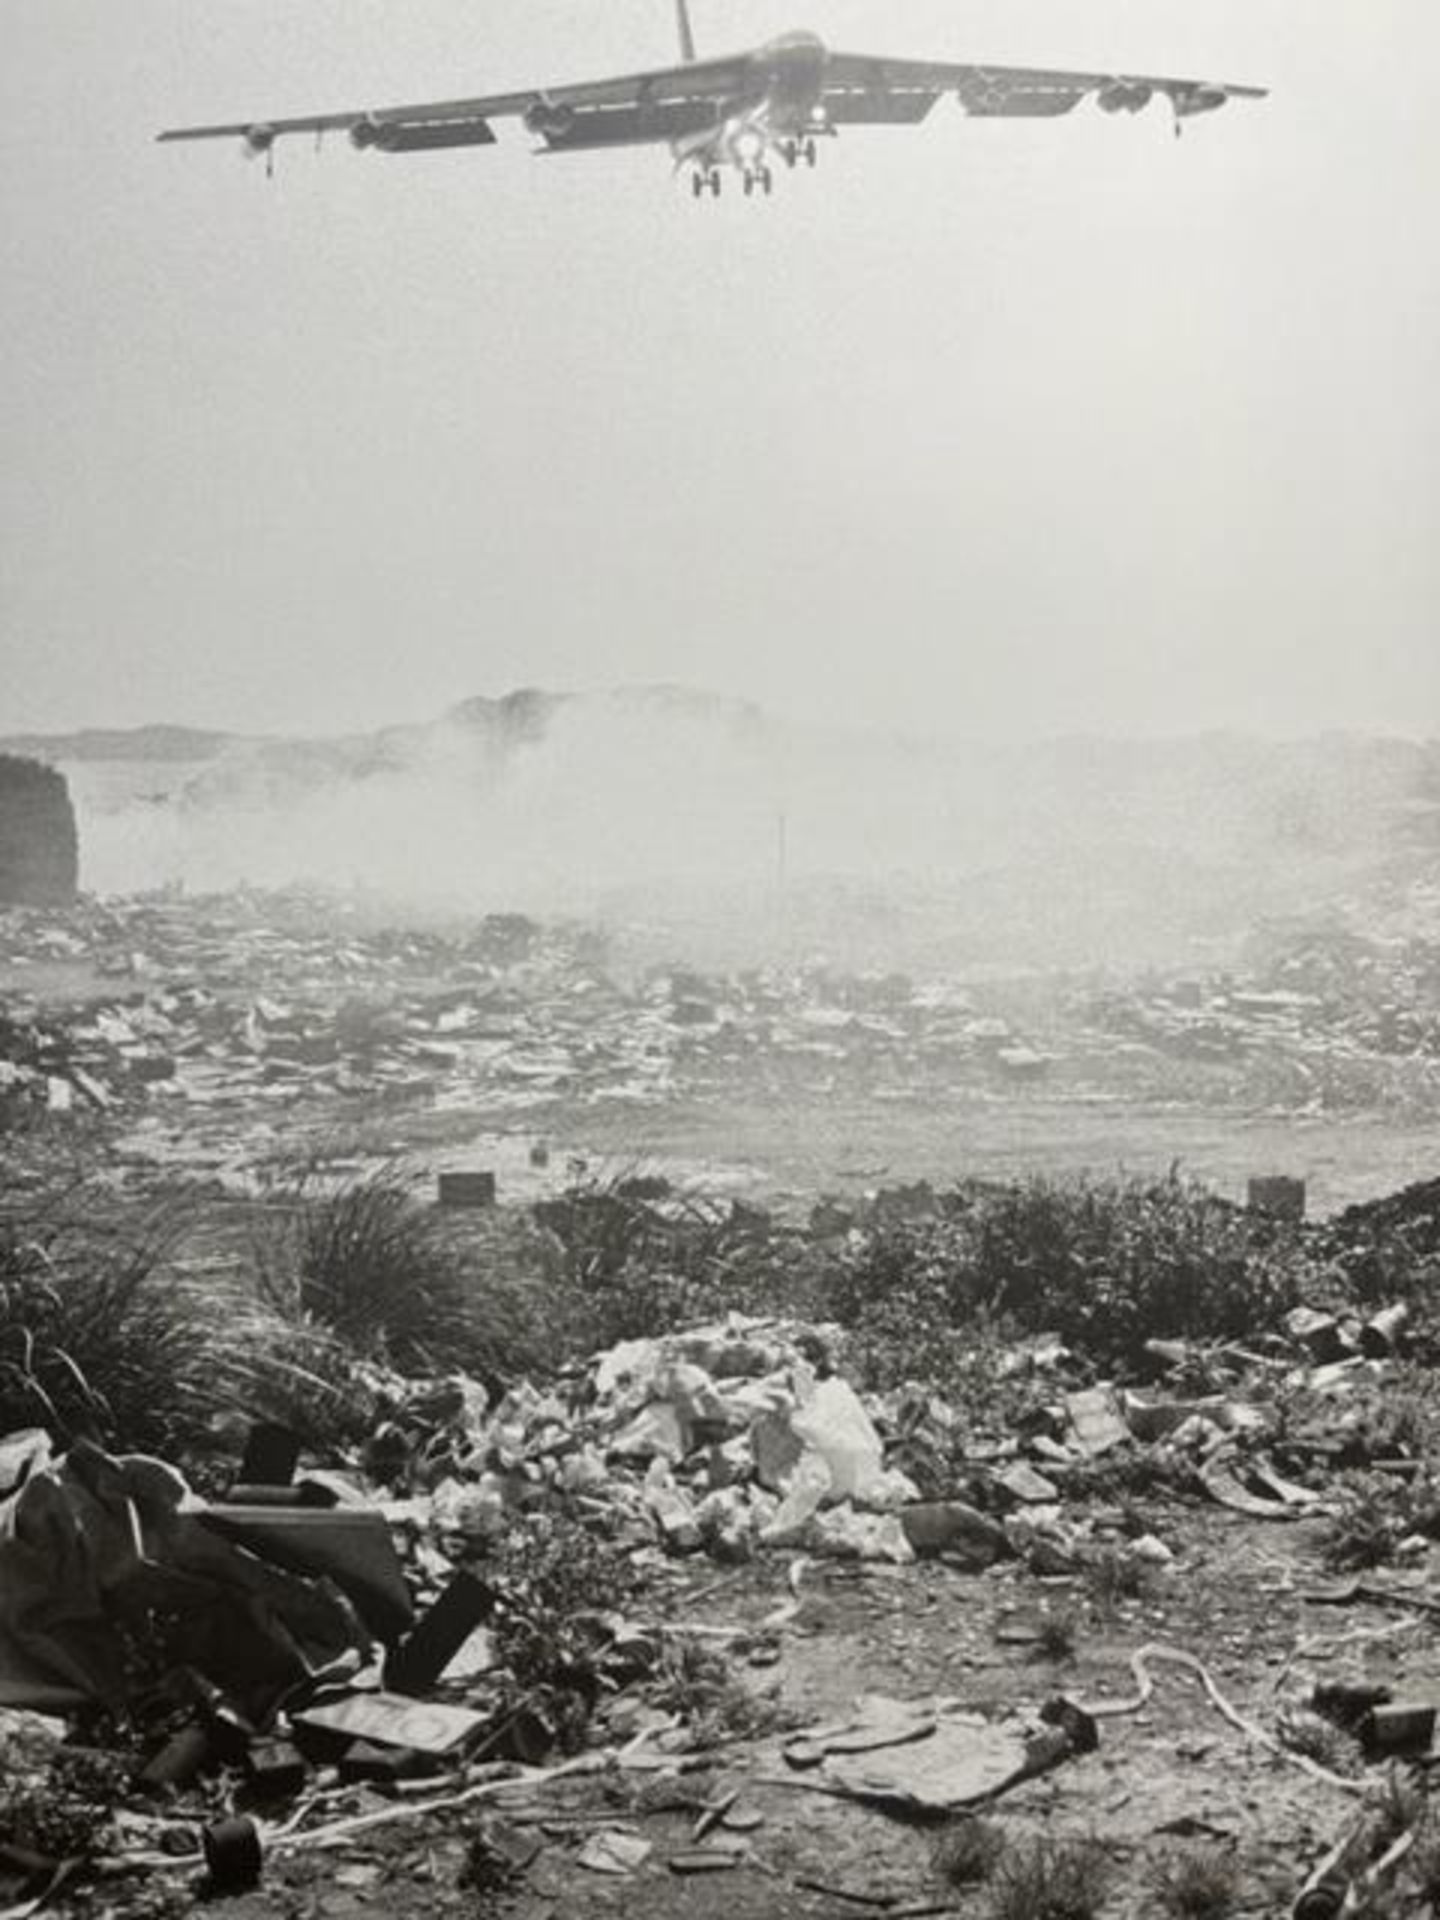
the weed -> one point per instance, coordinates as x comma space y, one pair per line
1400, 1807
555, 1582
968, 1852
1374, 1514
487, 1868
1057, 1636
369, 1263
98, 1336
298, 1376
1050, 1880
1113, 1575
1318, 1739
697, 1682
1423, 1868
1105, 1264
1200, 1883
46, 1820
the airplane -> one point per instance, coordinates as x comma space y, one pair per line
738, 112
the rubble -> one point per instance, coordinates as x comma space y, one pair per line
196, 1019
636, 1560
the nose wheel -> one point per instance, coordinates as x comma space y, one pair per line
759, 179
705, 180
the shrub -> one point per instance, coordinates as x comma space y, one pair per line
371, 1264
968, 1851
1200, 1883
98, 1335
1106, 1265
697, 1682
1374, 1513
1050, 1880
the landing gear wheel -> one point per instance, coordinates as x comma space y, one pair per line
767, 180
714, 179
812, 153
750, 180
790, 153
697, 185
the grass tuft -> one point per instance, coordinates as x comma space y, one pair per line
1199, 1883
1050, 1880
968, 1852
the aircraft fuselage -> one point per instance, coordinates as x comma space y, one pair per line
777, 110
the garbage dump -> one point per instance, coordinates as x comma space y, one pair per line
498, 1611
198, 1017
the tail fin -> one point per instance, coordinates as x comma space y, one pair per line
687, 32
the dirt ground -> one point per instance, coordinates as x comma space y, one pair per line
1172, 1775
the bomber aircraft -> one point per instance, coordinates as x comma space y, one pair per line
739, 112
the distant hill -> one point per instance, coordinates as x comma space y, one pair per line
158, 743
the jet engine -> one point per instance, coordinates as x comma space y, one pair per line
1198, 99
548, 120
1125, 96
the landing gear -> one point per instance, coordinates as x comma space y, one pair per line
759, 177
792, 152
812, 153
705, 180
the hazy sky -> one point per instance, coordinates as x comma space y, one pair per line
993, 428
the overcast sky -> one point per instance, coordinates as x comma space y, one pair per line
989, 428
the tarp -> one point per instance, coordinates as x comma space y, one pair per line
98, 1553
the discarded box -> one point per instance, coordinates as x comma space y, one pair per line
394, 1720
368, 1764
422, 1657
182, 1759
474, 1190
1398, 1728
1278, 1194
276, 1769
272, 1453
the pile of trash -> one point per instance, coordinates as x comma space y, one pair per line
190, 1010
330, 1626
318, 1630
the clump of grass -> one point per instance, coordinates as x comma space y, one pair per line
1400, 1807
297, 1375
1057, 1638
697, 1682
1373, 1516
99, 1336
487, 1868
1050, 1880
1423, 1868
370, 1263
1113, 1575
47, 1820
555, 1584
1200, 1883
1318, 1739
968, 1852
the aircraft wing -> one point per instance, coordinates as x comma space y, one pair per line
668, 98
863, 89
